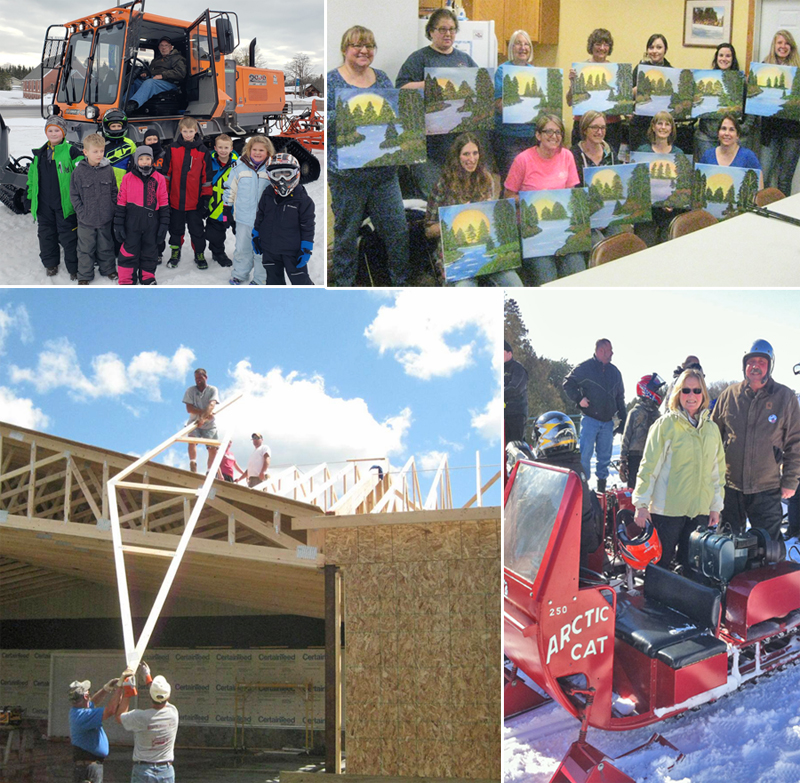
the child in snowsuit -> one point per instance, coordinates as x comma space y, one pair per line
243, 190
48, 189
223, 159
284, 228
187, 170
160, 157
141, 220
93, 193
119, 148
650, 392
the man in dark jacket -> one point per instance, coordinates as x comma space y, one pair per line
759, 421
596, 387
168, 70
515, 395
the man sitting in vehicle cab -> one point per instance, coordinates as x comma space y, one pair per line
167, 72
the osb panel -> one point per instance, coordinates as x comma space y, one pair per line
422, 620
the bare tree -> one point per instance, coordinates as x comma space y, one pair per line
299, 68
242, 56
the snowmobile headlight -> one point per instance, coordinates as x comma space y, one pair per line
91, 112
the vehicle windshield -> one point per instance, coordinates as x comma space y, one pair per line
106, 67
73, 77
529, 517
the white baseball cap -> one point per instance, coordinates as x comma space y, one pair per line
78, 688
160, 689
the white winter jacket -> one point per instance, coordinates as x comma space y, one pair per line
243, 190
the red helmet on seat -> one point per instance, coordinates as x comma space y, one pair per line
638, 551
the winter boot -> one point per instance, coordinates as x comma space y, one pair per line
601, 485
222, 259
200, 260
146, 278
175, 256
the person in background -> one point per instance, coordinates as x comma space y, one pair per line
258, 464
227, 466
680, 480
649, 393
596, 387
780, 139
167, 72
655, 54
515, 396
48, 190
356, 193
88, 738
511, 138
729, 152
465, 180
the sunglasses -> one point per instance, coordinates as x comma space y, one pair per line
691, 391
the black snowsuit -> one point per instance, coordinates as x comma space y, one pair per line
515, 398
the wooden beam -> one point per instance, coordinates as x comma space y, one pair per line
84, 489
349, 502
254, 524
39, 464
333, 669
483, 489
157, 488
399, 518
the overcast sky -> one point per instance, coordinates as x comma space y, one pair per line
282, 29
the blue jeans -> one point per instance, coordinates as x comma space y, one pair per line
599, 434
146, 89
778, 161
354, 195
548, 268
150, 773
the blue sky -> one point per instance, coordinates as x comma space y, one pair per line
328, 376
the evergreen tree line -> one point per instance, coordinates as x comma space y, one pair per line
9, 72
702, 194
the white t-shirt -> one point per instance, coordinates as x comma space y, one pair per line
257, 460
154, 732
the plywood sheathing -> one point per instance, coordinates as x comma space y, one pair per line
422, 631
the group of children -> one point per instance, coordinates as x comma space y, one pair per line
113, 206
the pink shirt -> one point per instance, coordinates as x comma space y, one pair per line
530, 171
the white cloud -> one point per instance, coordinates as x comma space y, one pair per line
21, 411
488, 422
303, 423
421, 329
430, 460
14, 319
58, 366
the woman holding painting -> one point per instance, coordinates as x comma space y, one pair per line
356, 193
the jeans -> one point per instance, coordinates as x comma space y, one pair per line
145, 90
153, 773
778, 161
243, 257
548, 268
600, 434
354, 195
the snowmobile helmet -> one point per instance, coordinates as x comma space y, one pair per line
651, 387
283, 171
143, 150
115, 115
760, 348
555, 434
641, 550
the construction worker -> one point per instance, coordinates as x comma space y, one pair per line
89, 740
200, 401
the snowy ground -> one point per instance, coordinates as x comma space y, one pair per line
21, 265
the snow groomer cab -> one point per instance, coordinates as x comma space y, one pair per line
620, 653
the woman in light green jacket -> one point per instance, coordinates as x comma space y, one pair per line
682, 474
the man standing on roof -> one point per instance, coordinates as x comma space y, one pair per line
200, 401
154, 731
259, 461
596, 387
759, 420
167, 70
89, 740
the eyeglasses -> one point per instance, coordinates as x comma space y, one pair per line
691, 391
368, 47
598, 128
550, 133
445, 30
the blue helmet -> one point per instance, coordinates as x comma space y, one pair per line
760, 348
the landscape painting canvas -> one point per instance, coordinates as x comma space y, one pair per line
717, 92
458, 100
724, 190
529, 92
618, 195
380, 127
664, 89
773, 91
480, 238
606, 87
670, 178
554, 222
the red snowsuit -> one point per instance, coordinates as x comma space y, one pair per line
188, 171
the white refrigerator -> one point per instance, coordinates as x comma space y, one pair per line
477, 39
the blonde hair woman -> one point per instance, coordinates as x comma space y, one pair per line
680, 480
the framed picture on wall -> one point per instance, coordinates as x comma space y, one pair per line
707, 22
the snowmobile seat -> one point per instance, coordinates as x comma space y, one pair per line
673, 622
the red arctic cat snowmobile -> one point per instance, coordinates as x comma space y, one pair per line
621, 654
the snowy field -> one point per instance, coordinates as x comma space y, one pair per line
21, 265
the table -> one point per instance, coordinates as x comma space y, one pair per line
747, 251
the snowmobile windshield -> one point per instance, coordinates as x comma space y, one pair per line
73, 76
106, 65
530, 516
